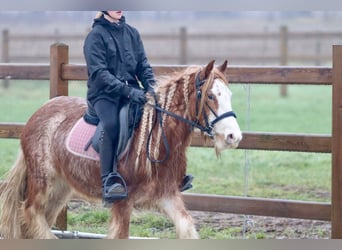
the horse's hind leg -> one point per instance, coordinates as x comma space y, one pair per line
35, 225
58, 198
175, 209
42, 206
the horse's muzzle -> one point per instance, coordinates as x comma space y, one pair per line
233, 139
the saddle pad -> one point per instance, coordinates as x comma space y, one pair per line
78, 138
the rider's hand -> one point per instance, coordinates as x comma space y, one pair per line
137, 96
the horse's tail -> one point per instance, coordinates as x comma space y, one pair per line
11, 199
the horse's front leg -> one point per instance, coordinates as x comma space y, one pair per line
119, 224
175, 209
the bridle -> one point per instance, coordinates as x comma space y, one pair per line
207, 128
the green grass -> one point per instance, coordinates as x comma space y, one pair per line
286, 175
269, 174
307, 109
96, 220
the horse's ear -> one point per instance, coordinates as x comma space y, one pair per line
223, 67
208, 69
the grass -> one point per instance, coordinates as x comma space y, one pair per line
98, 221
269, 174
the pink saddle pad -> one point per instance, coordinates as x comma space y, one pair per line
78, 138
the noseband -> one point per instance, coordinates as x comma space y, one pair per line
208, 128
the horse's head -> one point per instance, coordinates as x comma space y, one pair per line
215, 107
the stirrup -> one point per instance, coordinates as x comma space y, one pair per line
186, 183
114, 192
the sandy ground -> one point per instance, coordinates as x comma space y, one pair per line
264, 227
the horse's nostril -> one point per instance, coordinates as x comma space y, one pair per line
230, 138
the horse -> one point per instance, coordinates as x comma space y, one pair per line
46, 174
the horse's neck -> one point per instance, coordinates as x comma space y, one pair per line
177, 100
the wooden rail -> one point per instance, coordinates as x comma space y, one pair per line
60, 72
251, 140
259, 206
235, 74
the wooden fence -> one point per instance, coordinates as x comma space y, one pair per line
59, 72
282, 47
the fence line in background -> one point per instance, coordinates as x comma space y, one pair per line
261, 48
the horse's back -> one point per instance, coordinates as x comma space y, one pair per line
54, 112
69, 106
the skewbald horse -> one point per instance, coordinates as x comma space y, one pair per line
46, 175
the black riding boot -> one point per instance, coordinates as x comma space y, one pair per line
113, 185
186, 183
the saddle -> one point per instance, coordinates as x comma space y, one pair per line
83, 139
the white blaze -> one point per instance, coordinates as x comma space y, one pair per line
227, 131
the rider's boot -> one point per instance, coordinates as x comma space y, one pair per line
186, 183
113, 185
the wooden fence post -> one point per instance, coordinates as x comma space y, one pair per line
283, 55
59, 55
318, 50
336, 178
183, 57
5, 54
57, 36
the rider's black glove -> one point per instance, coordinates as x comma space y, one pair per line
137, 96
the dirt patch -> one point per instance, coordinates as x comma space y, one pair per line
263, 227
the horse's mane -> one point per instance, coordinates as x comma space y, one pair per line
167, 83
166, 89
164, 81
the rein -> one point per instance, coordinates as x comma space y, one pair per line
208, 128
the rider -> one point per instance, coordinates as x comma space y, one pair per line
116, 63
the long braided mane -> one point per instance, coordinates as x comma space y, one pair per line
175, 93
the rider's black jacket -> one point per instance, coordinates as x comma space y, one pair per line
115, 56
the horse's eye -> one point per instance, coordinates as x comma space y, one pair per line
210, 97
